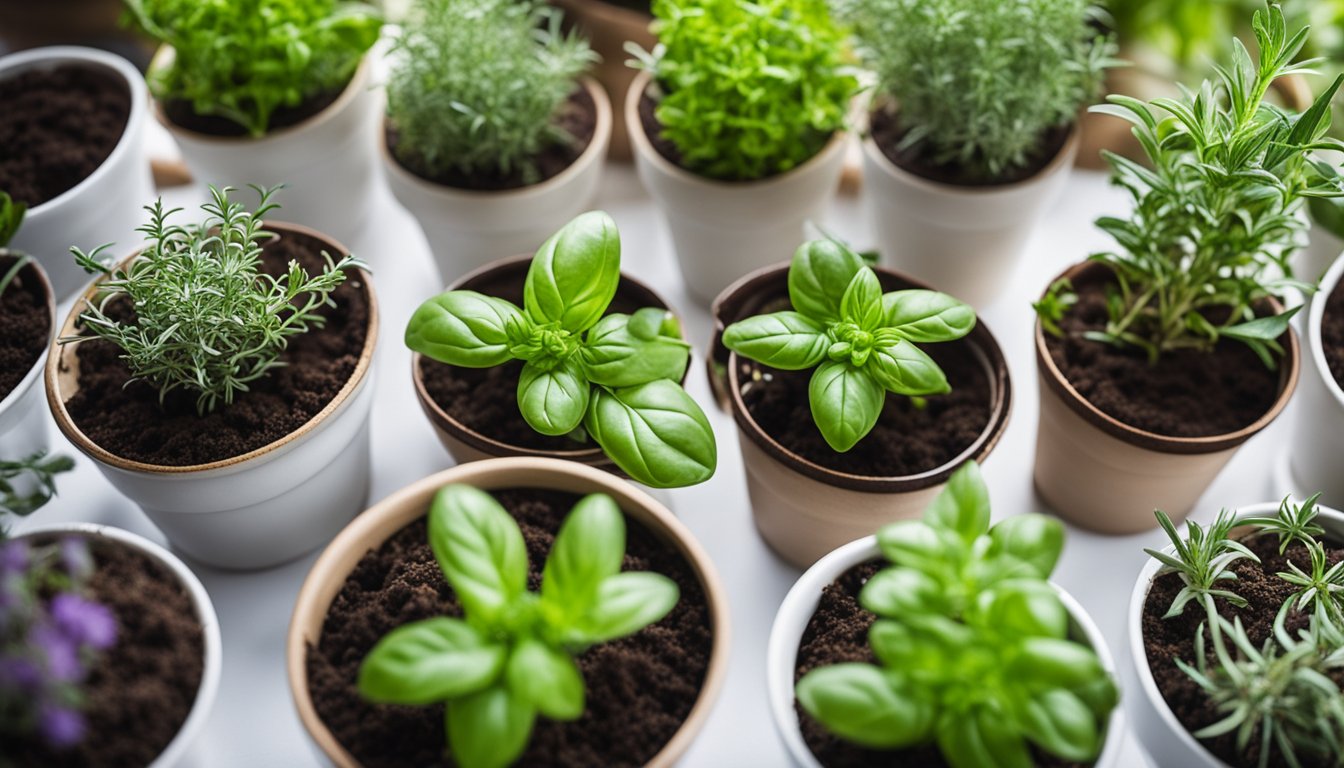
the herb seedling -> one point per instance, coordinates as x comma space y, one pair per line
1292, 522
860, 341
512, 657
1202, 560
972, 644
586, 373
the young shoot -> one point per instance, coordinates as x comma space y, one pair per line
1202, 559
1293, 522
1320, 592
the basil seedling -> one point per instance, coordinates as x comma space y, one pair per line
860, 341
611, 377
513, 657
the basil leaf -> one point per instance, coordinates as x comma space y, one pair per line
547, 679
861, 303
553, 402
489, 729
846, 402
915, 654
893, 592
651, 322
480, 549
654, 432
927, 316
1062, 724
983, 738
589, 547
789, 341
1024, 607
627, 603
819, 274
1048, 662
463, 328
863, 704
615, 356
963, 504
574, 275
1036, 540
917, 544
429, 661
905, 369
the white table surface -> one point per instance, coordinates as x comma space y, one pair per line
253, 722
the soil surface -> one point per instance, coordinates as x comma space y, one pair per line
1332, 333
1166, 640
128, 420
577, 117
1187, 393
639, 689
140, 693
26, 324
887, 132
181, 114
57, 126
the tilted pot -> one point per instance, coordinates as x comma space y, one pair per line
23, 422
608, 27
1314, 455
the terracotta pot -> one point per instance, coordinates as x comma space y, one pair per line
608, 28
264, 507
23, 423
1106, 476
1314, 457
723, 230
804, 510
467, 229
389, 516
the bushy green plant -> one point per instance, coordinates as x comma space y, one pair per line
477, 86
979, 84
748, 88
242, 59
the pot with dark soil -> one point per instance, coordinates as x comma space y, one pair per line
28, 317
110, 650
1312, 461
533, 632
71, 133
223, 383
609, 26
856, 391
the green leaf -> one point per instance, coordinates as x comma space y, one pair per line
589, 548
614, 356
927, 316
917, 544
861, 303
917, 655
429, 661
489, 729
654, 432
1024, 607
1034, 539
789, 341
1062, 724
463, 328
650, 323
893, 592
819, 274
480, 549
963, 504
846, 402
863, 704
574, 275
1262, 328
547, 679
553, 402
1047, 662
982, 738
627, 603
905, 369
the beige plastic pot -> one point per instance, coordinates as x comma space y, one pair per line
1314, 459
468, 229
1106, 476
376, 525
23, 422
264, 507
723, 230
609, 27
802, 509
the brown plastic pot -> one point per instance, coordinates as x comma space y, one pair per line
389, 516
1104, 475
802, 509
608, 28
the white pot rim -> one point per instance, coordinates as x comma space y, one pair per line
40, 363
1317, 315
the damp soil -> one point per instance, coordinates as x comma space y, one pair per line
1166, 640
1332, 333
141, 691
642, 6
887, 132
640, 689
26, 324
1187, 393
128, 420
57, 126
181, 114
577, 118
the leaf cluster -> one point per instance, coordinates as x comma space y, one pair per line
861, 341
37, 473
512, 658
972, 642
586, 373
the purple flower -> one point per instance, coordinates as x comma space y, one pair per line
61, 727
76, 558
62, 652
84, 621
19, 674
13, 557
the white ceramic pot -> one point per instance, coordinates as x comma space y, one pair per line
325, 162
801, 602
965, 240
468, 229
1162, 736
1314, 460
107, 206
23, 421
212, 661
723, 230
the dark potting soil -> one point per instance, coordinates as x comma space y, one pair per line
642, 6
141, 691
907, 439
577, 117
57, 126
836, 634
1332, 333
1166, 640
26, 324
181, 114
1187, 393
128, 420
639, 689
887, 133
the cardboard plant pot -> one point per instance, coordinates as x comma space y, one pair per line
106, 206
608, 27
1107, 476
1314, 459
368, 531
795, 613
262, 508
802, 509
722, 230
23, 423
468, 228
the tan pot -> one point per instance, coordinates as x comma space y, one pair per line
389, 516
1106, 476
608, 28
804, 510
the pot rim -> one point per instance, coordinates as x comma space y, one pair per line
1153, 441
1315, 319
130, 134
39, 364
388, 516
55, 365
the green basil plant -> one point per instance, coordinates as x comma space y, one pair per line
860, 341
611, 377
512, 657
972, 644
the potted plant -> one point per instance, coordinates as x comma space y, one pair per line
72, 129
1157, 360
1320, 406
587, 368
940, 642
493, 137
1236, 635
639, 700
220, 379
110, 651
271, 92
971, 133
28, 315
739, 129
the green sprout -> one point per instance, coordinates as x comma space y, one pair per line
1292, 522
1202, 560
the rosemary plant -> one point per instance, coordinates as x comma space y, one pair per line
1202, 560
1292, 522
